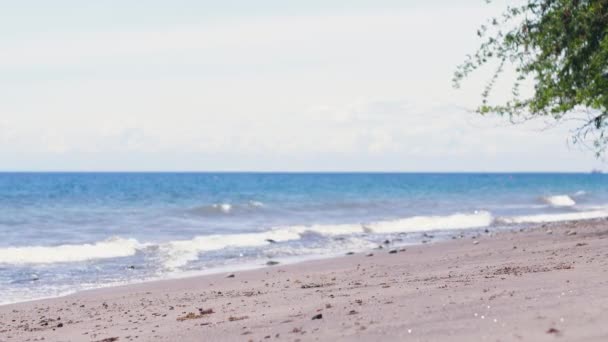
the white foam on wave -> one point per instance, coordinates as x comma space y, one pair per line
256, 204
111, 248
477, 219
179, 253
541, 218
559, 201
223, 207
580, 193
328, 229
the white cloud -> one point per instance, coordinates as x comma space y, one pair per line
308, 92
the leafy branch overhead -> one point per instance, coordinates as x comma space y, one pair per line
559, 46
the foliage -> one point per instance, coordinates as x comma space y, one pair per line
561, 47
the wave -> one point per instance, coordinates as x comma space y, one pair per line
114, 247
542, 218
580, 193
227, 208
328, 229
175, 254
179, 253
559, 201
477, 219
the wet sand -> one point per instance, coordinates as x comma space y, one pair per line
545, 283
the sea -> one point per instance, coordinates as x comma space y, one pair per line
66, 232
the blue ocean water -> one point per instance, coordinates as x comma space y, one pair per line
64, 232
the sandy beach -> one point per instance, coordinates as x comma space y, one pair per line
548, 282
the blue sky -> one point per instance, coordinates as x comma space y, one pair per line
265, 85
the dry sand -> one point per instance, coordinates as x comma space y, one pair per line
529, 285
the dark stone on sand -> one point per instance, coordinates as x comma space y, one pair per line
271, 240
370, 255
131, 267
60, 325
350, 253
387, 242
205, 311
272, 263
392, 251
318, 316
230, 276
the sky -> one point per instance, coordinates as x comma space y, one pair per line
240, 85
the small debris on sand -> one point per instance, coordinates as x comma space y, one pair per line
237, 318
553, 331
271, 241
314, 285
392, 251
350, 253
549, 232
476, 242
369, 255
109, 339
230, 276
192, 315
571, 232
272, 263
317, 316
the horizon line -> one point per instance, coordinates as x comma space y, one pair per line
306, 171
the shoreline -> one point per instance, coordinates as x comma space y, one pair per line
283, 261
505, 285
225, 269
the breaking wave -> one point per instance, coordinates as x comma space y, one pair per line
542, 218
175, 254
114, 247
178, 253
227, 208
559, 201
426, 223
